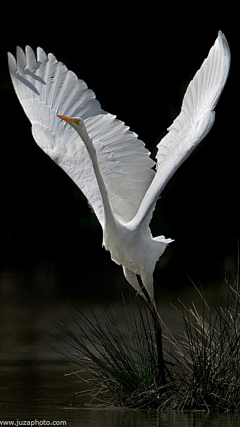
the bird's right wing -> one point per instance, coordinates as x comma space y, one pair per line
192, 124
45, 88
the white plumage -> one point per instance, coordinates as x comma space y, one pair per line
105, 159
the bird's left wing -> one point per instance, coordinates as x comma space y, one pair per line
193, 123
45, 88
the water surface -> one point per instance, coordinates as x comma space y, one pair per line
33, 384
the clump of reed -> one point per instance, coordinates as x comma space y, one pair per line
119, 363
206, 372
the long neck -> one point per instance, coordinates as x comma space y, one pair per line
109, 217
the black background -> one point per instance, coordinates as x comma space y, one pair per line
139, 61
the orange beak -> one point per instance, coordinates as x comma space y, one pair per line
67, 119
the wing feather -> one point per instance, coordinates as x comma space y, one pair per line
192, 124
45, 88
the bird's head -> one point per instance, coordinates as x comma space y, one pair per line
75, 122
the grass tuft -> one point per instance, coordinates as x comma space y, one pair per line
207, 356
119, 364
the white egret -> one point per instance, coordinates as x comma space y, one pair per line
106, 160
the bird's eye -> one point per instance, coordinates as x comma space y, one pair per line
77, 122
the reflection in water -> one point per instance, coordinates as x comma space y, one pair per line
38, 391
33, 385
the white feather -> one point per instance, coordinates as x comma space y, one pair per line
192, 124
106, 160
46, 88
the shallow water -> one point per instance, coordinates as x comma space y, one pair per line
33, 384
36, 391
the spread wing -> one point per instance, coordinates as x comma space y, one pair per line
45, 88
193, 123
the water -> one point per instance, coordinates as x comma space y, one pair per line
37, 391
33, 384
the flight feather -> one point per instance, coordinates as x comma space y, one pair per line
191, 125
45, 88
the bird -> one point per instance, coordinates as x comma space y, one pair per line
106, 160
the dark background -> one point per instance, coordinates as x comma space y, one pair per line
139, 62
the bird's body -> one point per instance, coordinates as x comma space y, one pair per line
130, 244
143, 251
106, 160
